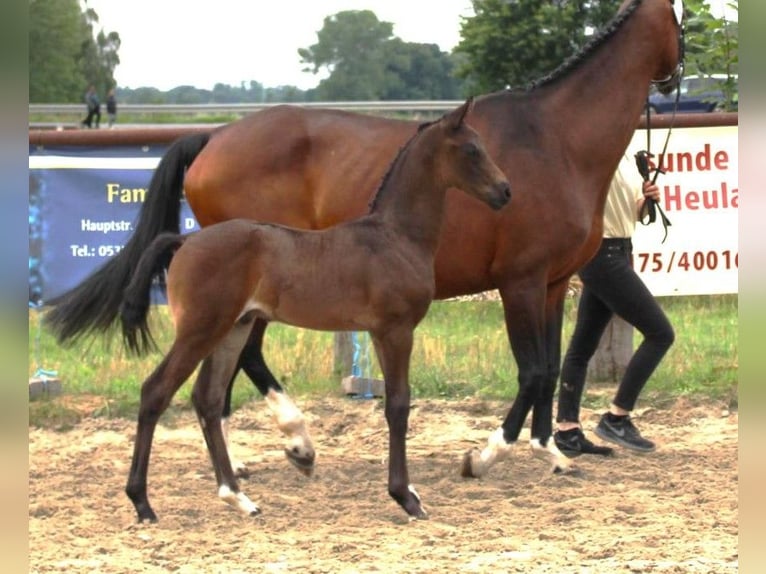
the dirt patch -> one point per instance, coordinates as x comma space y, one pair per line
672, 511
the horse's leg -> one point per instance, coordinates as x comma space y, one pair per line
394, 348
208, 397
542, 411
156, 393
523, 311
299, 450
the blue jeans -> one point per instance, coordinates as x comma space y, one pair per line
611, 286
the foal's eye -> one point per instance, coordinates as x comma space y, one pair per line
470, 149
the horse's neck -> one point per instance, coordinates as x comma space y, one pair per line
412, 202
596, 106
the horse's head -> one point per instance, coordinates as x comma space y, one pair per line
672, 66
466, 164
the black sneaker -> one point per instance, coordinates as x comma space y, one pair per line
620, 430
573, 443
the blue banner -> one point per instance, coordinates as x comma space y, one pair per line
83, 206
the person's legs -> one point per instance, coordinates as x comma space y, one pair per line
592, 318
636, 305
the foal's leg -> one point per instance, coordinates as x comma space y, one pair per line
299, 450
394, 349
208, 398
156, 393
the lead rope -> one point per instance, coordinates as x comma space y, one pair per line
642, 163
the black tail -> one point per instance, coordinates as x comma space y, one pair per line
137, 296
93, 305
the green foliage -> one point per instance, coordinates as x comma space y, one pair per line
365, 61
512, 43
65, 56
712, 46
55, 43
461, 349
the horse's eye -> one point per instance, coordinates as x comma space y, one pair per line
471, 149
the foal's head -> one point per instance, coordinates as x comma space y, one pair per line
464, 163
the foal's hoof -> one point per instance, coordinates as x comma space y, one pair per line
466, 469
410, 502
303, 462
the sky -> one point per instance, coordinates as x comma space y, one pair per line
169, 43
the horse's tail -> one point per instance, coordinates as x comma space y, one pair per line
92, 306
136, 298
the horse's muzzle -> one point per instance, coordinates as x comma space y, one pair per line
501, 194
670, 83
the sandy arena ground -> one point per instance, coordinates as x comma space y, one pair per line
673, 511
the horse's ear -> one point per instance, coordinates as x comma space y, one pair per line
457, 116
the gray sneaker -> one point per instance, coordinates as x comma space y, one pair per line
623, 432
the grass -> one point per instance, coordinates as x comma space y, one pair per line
461, 349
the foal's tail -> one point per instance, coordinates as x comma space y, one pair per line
136, 298
92, 306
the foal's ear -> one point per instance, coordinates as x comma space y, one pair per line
456, 117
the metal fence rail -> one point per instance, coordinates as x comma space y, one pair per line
197, 109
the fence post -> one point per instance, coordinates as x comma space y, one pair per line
614, 351
343, 354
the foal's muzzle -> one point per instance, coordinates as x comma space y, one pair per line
501, 194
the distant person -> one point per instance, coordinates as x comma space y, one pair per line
611, 287
111, 107
93, 105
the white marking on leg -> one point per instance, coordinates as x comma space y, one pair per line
290, 421
550, 453
497, 449
238, 500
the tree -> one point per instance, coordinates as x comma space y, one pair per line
64, 54
418, 72
349, 47
55, 43
513, 42
366, 61
712, 45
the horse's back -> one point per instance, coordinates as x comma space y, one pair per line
307, 168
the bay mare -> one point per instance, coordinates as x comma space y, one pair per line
374, 273
560, 140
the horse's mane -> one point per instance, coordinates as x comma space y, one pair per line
593, 44
399, 154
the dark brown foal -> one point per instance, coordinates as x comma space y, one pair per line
371, 274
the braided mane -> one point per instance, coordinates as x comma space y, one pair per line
574, 61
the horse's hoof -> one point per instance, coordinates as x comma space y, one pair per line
145, 513
466, 469
418, 514
151, 518
305, 464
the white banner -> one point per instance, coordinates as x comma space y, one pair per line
700, 196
